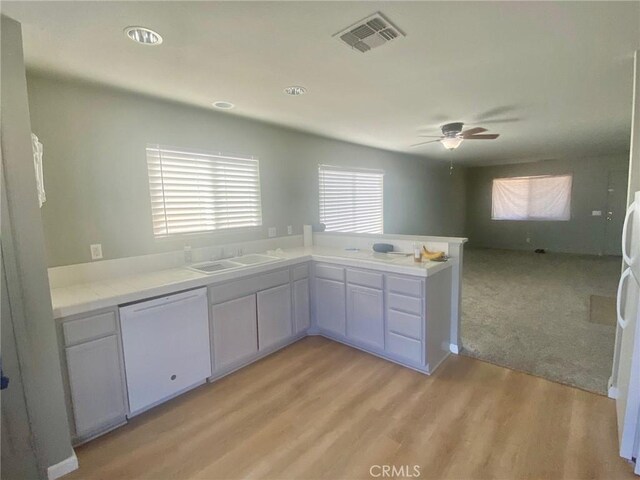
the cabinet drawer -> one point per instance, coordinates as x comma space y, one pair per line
404, 347
405, 286
88, 328
246, 286
367, 279
405, 304
329, 272
300, 271
405, 324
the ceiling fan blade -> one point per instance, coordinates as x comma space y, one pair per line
423, 143
473, 131
502, 120
489, 136
430, 136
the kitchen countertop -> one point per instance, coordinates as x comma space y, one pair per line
87, 297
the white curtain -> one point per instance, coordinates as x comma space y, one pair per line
532, 198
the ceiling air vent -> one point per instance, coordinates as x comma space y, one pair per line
370, 33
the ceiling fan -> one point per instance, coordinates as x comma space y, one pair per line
452, 135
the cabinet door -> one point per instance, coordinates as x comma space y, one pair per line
235, 334
274, 316
330, 305
365, 315
96, 384
301, 305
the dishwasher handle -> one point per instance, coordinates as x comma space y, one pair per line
163, 302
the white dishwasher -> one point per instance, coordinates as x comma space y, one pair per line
166, 347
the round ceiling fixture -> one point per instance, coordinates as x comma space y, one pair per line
222, 105
295, 90
143, 35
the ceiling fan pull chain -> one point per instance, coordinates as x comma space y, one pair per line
451, 166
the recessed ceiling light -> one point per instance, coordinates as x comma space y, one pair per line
295, 90
223, 105
143, 35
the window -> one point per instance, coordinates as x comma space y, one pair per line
532, 198
193, 191
351, 199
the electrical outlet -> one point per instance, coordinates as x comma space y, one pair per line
289, 230
96, 251
271, 232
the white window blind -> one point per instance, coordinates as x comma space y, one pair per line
351, 199
532, 198
194, 191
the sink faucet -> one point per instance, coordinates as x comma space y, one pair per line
224, 255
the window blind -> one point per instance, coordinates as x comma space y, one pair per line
351, 200
193, 191
532, 198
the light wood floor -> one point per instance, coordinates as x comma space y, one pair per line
318, 409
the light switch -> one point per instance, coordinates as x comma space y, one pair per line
596, 213
271, 232
289, 230
96, 251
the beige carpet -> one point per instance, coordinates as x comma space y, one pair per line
535, 313
602, 310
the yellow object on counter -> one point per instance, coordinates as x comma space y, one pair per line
428, 255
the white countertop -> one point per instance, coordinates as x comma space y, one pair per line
86, 297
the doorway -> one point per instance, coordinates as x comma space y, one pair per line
552, 313
616, 207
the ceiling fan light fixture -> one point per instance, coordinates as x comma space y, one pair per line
451, 143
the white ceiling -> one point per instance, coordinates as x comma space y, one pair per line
553, 78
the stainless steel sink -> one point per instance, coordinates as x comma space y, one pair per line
214, 266
255, 258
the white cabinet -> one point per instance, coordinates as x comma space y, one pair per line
405, 331
234, 332
365, 315
96, 384
301, 307
274, 316
330, 305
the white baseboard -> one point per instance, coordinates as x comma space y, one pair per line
68, 465
612, 392
454, 348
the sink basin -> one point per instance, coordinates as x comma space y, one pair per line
213, 267
255, 258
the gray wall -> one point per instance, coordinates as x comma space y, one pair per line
96, 176
24, 262
582, 234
